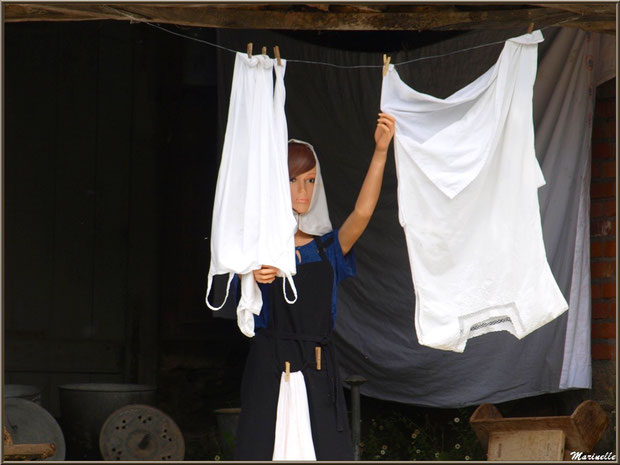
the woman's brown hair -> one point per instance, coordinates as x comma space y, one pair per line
300, 159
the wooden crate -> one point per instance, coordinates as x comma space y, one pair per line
539, 438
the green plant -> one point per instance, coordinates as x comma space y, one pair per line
399, 436
210, 446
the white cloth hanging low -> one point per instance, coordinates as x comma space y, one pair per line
468, 182
293, 439
253, 224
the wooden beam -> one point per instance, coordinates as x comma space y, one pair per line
598, 17
605, 27
14, 13
582, 8
339, 17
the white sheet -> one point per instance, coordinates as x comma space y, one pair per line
253, 224
468, 202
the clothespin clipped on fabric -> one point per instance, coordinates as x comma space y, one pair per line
276, 52
386, 64
530, 28
263, 51
287, 370
317, 355
250, 50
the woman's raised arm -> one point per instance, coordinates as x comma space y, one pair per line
357, 221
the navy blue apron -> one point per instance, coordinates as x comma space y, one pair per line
292, 334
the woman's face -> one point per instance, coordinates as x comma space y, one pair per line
302, 187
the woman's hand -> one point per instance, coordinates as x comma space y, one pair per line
356, 222
266, 274
384, 131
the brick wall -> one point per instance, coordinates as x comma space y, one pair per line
603, 223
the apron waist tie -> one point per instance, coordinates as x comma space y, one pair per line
333, 378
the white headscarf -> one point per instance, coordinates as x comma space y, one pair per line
316, 220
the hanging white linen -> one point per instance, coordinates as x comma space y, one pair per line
467, 192
293, 440
253, 224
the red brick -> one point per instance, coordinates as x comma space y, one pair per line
603, 189
603, 269
602, 228
603, 150
610, 249
610, 208
603, 351
597, 169
609, 169
597, 209
605, 108
597, 291
603, 310
603, 330
609, 290
596, 249
604, 130
606, 330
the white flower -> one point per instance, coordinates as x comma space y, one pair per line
417, 431
217, 457
436, 455
457, 419
383, 447
457, 446
382, 452
417, 451
467, 457
413, 436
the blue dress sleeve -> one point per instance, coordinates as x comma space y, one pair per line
343, 265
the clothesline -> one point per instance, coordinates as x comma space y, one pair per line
333, 65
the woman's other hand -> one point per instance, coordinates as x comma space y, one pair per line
266, 274
384, 131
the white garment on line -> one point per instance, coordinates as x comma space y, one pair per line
253, 224
467, 191
293, 439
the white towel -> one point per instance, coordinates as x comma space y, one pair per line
293, 440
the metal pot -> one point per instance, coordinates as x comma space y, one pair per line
85, 407
23, 391
227, 421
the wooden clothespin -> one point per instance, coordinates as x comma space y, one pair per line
531, 28
276, 52
263, 51
317, 355
250, 50
386, 64
287, 370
